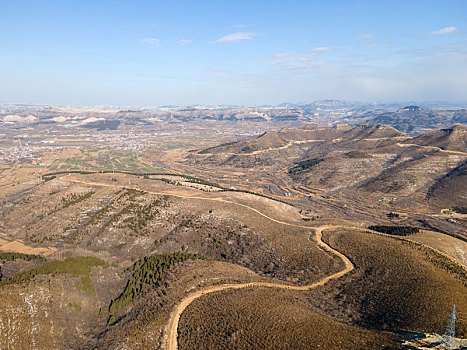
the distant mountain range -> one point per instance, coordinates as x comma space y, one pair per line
411, 119
355, 105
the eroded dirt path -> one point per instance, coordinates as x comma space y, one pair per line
291, 143
431, 148
171, 341
168, 193
172, 327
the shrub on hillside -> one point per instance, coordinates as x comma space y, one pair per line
395, 230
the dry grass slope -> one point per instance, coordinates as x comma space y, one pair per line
394, 287
269, 319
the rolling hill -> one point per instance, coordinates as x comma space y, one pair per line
374, 159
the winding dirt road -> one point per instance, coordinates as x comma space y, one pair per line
172, 327
291, 143
431, 148
163, 193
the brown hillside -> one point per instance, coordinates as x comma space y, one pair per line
396, 286
269, 319
372, 131
450, 190
415, 171
453, 138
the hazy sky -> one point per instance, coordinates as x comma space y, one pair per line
148, 52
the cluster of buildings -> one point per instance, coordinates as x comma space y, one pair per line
28, 153
123, 141
14, 154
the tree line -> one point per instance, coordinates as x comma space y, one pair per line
395, 230
147, 272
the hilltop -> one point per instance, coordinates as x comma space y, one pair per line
413, 119
452, 139
344, 162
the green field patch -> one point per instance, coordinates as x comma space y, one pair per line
85, 285
75, 266
7, 256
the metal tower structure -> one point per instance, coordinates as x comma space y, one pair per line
449, 335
